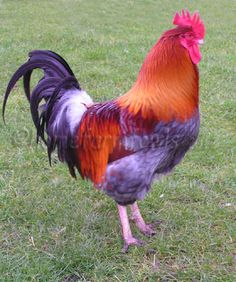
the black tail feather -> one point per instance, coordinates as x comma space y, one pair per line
26, 81
57, 80
38, 53
43, 90
49, 68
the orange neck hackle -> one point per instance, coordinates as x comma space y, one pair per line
167, 84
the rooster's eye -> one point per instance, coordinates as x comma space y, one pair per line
188, 36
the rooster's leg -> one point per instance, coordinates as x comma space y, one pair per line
126, 231
146, 229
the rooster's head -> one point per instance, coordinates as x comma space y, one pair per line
192, 33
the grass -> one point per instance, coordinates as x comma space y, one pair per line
56, 229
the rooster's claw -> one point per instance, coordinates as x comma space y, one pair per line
132, 241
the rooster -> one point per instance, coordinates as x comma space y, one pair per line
122, 145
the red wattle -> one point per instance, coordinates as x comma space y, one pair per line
193, 50
195, 54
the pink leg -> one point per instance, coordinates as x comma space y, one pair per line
126, 231
146, 229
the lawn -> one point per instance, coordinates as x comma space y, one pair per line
54, 228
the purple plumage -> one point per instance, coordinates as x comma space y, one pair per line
128, 179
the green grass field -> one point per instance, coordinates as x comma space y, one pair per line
54, 228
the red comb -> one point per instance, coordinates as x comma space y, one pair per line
194, 21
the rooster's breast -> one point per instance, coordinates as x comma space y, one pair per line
129, 178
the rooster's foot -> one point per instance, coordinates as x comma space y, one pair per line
131, 241
147, 229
